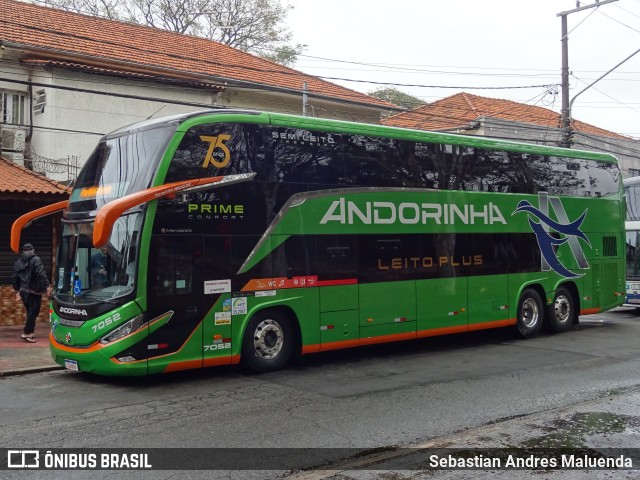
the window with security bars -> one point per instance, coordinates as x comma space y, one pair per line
12, 108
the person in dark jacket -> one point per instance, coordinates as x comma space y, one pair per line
30, 282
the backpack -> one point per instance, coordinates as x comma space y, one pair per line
22, 274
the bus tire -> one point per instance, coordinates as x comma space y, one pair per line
268, 341
530, 313
562, 311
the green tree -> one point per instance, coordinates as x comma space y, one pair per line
255, 26
395, 96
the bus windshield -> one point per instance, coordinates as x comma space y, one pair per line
632, 255
89, 275
119, 165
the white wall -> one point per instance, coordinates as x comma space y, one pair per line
73, 121
81, 118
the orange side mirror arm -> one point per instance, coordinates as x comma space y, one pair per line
109, 213
24, 220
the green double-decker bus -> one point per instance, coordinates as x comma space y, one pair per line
227, 236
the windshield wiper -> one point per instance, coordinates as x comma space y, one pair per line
96, 297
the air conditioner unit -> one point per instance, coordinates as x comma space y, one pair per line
17, 158
13, 139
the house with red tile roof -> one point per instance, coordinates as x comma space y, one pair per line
67, 78
22, 190
469, 114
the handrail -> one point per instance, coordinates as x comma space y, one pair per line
24, 220
109, 213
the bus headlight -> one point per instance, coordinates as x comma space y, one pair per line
123, 330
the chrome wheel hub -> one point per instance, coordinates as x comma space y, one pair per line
530, 312
562, 309
267, 339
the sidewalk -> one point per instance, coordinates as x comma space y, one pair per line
18, 356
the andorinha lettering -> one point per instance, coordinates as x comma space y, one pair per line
74, 311
381, 213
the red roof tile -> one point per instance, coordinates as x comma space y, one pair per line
56, 33
17, 179
462, 108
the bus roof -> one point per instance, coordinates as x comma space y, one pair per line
187, 120
177, 118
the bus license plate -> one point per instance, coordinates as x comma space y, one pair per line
634, 300
71, 365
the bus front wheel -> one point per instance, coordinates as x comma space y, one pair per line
268, 341
530, 313
562, 311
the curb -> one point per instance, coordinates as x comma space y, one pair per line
37, 369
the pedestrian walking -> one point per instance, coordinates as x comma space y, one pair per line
30, 282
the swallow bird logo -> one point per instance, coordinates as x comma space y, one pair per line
550, 234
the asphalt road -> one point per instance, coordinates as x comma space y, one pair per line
425, 392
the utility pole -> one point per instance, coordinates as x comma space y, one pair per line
304, 99
565, 112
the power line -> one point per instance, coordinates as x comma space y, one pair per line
436, 86
283, 71
110, 94
209, 106
618, 21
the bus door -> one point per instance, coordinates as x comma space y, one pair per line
175, 288
606, 286
218, 263
612, 277
387, 293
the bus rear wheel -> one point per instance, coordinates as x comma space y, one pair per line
530, 313
268, 341
562, 311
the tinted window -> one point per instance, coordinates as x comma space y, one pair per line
442, 166
632, 193
174, 261
217, 149
380, 162
605, 178
389, 257
569, 177
303, 156
237, 209
336, 257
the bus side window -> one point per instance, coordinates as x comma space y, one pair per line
302, 156
336, 257
443, 166
218, 149
570, 177
388, 257
605, 178
375, 162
